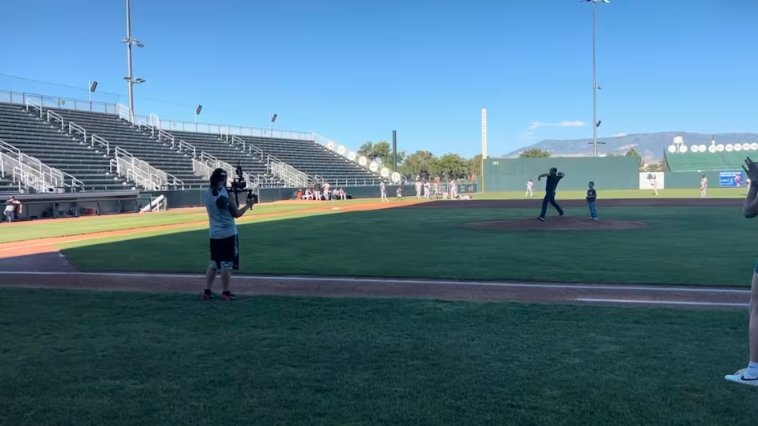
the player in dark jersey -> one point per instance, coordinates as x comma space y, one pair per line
553, 177
591, 197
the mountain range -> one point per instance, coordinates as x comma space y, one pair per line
649, 145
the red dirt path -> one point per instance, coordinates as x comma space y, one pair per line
38, 264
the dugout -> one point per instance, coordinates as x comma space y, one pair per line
74, 204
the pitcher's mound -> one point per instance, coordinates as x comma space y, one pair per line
557, 223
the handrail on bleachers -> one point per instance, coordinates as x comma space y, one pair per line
21, 98
34, 173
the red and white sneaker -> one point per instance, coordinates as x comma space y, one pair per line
227, 296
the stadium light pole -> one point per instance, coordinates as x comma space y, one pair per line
92, 87
273, 120
129, 40
198, 109
594, 77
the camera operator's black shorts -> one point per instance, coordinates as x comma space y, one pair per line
225, 253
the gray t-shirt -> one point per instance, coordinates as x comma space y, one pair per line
221, 220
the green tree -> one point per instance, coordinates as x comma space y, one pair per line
632, 153
400, 158
450, 166
534, 153
660, 166
475, 165
380, 150
417, 162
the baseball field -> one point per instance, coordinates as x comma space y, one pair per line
407, 312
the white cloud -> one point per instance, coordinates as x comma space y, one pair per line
618, 135
534, 125
575, 123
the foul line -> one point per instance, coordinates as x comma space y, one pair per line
661, 302
358, 280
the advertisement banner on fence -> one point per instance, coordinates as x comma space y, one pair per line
731, 179
652, 180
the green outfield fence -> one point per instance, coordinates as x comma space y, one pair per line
511, 174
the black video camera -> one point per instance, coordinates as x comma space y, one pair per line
240, 185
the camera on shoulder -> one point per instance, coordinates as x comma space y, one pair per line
239, 184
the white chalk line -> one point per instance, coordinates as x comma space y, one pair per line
385, 281
660, 302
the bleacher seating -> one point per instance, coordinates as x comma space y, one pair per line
229, 153
37, 138
73, 154
139, 143
314, 159
7, 186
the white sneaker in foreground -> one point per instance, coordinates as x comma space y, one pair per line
739, 377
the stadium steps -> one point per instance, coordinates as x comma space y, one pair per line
7, 187
314, 159
224, 151
139, 143
37, 138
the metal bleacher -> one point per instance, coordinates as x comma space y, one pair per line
141, 142
316, 160
101, 147
226, 150
55, 148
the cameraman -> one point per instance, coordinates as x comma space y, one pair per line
222, 210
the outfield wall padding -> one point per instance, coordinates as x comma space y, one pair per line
511, 174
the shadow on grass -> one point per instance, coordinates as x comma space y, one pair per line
41, 262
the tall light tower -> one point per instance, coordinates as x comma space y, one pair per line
485, 152
595, 122
129, 40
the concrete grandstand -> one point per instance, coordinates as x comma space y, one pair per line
90, 146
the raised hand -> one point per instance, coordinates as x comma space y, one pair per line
751, 170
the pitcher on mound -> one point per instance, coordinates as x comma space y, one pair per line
552, 183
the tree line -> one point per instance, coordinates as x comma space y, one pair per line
423, 163
453, 166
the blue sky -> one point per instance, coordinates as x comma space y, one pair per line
355, 70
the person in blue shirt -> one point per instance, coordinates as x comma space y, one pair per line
553, 177
591, 197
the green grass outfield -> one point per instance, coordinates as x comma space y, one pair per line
682, 245
167, 359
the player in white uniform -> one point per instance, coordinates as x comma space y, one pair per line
383, 191
10, 209
453, 190
327, 194
654, 182
529, 189
703, 186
